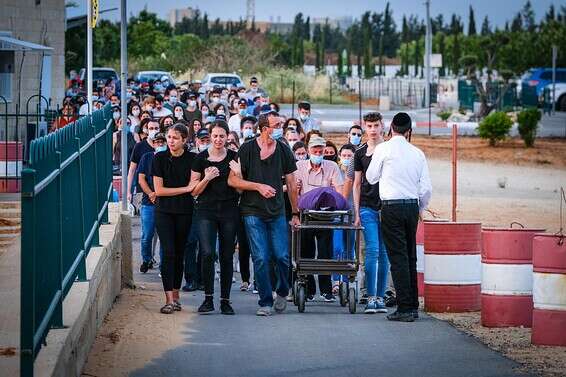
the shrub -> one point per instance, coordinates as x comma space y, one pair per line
528, 123
495, 127
444, 115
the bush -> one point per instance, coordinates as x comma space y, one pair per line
495, 127
528, 123
444, 115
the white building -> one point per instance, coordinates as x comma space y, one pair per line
177, 15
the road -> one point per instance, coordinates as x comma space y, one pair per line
325, 340
339, 118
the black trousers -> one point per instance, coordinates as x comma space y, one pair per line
222, 223
173, 230
308, 248
399, 228
243, 252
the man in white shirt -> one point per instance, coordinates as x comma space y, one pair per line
405, 190
160, 111
234, 124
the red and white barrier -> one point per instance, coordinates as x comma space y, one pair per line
420, 258
11, 165
549, 290
452, 276
507, 277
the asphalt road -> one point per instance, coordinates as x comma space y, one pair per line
324, 341
338, 118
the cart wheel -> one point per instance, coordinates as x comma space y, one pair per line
301, 299
343, 293
295, 293
352, 300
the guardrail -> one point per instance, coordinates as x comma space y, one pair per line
65, 192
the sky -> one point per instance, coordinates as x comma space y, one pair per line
498, 11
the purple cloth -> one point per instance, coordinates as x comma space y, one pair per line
323, 198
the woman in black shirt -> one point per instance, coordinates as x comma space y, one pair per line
217, 214
173, 210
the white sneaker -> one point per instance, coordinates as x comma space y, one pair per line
280, 304
263, 311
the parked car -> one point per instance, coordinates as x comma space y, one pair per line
100, 75
228, 80
541, 77
146, 76
560, 95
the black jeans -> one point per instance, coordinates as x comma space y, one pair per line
243, 251
399, 228
192, 256
324, 247
220, 221
173, 230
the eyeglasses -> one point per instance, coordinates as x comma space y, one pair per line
355, 134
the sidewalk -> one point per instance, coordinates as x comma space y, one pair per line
10, 309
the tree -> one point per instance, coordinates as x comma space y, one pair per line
551, 14
517, 23
441, 51
485, 27
528, 16
495, 127
455, 30
389, 33
405, 38
471, 22
369, 69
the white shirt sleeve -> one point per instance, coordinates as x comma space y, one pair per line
375, 168
425, 186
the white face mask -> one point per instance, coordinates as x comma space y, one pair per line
178, 114
203, 147
135, 113
152, 133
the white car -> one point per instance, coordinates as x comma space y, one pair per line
226, 80
560, 95
146, 76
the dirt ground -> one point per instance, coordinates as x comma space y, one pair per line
514, 343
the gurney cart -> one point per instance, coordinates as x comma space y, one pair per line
302, 267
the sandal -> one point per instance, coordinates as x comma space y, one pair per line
177, 306
245, 286
167, 309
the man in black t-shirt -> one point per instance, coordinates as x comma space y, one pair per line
263, 162
141, 148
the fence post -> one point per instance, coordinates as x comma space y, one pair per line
282, 90
82, 264
27, 278
330, 89
57, 321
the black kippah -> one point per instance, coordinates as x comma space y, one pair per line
401, 123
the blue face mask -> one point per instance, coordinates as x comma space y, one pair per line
355, 139
277, 133
345, 161
316, 160
162, 148
243, 112
247, 133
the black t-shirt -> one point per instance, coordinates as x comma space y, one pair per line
176, 172
144, 167
269, 172
191, 115
369, 194
217, 190
140, 149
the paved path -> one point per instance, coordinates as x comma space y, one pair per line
324, 341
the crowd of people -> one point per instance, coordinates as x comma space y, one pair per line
215, 170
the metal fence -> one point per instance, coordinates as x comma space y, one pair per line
66, 187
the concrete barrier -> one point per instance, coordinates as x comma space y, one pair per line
88, 302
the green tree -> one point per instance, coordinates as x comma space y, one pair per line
495, 127
471, 22
485, 27
369, 69
528, 123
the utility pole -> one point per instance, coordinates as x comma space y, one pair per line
89, 54
554, 56
428, 51
124, 101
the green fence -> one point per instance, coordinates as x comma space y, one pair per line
467, 95
65, 192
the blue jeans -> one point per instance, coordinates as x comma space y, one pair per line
147, 231
268, 241
376, 261
343, 251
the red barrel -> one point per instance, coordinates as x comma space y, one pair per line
117, 185
452, 277
11, 164
549, 290
507, 277
420, 258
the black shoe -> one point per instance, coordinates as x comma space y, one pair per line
401, 317
189, 288
226, 308
150, 264
207, 306
200, 287
144, 267
415, 313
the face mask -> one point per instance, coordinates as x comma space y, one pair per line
204, 147
152, 134
242, 95
178, 114
316, 160
355, 139
215, 99
330, 158
135, 113
220, 112
205, 113
345, 161
116, 115
247, 133
157, 88
242, 112
291, 144
303, 116
210, 119
172, 100
162, 148
277, 133
192, 103
95, 98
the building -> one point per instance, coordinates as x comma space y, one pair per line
177, 15
32, 41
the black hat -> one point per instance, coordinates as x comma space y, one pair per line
202, 133
192, 95
401, 123
304, 105
160, 136
253, 79
221, 117
159, 98
247, 119
242, 102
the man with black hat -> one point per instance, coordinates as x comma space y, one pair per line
308, 122
202, 141
254, 89
405, 190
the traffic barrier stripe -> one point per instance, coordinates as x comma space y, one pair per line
452, 269
549, 291
507, 279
